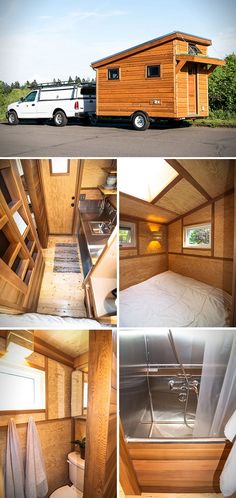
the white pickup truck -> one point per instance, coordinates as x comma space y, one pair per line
58, 103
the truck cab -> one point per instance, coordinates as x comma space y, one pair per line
55, 102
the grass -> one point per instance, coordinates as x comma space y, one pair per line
217, 119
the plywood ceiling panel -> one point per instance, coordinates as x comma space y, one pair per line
181, 198
71, 342
138, 209
216, 176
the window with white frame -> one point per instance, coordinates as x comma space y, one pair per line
197, 236
22, 387
127, 234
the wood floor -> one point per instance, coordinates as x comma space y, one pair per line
61, 293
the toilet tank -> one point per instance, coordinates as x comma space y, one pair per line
76, 470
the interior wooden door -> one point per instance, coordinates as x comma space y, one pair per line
192, 88
60, 191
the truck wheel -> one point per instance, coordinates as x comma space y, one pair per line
93, 120
60, 118
13, 118
140, 121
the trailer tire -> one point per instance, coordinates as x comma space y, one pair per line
59, 118
13, 118
140, 121
93, 120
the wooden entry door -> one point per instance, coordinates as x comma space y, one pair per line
60, 192
192, 88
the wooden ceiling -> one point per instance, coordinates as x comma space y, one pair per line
70, 342
198, 182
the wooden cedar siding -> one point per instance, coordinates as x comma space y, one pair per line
182, 83
134, 91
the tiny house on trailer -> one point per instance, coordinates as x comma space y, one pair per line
57, 240
177, 249
166, 77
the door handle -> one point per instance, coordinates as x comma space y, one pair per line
33, 105
73, 197
72, 205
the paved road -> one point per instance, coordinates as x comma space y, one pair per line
33, 140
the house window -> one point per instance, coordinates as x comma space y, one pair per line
197, 236
127, 234
21, 225
22, 387
59, 166
193, 49
154, 71
114, 73
85, 395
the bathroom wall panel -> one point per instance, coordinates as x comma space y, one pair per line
55, 437
59, 390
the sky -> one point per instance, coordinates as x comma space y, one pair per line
58, 38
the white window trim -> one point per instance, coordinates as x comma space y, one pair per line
38, 377
195, 227
132, 226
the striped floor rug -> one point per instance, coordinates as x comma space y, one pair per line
66, 259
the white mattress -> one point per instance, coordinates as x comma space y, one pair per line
38, 321
170, 299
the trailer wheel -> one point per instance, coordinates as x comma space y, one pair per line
60, 118
93, 120
13, 118
140, 121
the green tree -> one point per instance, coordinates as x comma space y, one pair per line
222, 86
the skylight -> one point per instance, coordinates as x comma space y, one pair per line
144, 177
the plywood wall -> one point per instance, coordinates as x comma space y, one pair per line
94, 173
147, 259
213, 266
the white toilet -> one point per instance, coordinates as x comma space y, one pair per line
76, 474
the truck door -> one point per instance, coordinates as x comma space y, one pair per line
28, 108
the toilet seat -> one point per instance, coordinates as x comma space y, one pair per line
67, 492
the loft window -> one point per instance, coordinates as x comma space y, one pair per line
114, 73
22, 387
127, 234
197, 236
193, 49
154, 71
59, 166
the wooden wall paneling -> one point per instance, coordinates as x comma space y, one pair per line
175, 237
59, 390
181, 198
95, 172
202, 215
212, 271
128, 478
76, 218
81, 362
101, 432
178, 467
224, 227
216, 176
136, 270
144, 210
145, 240
35, 190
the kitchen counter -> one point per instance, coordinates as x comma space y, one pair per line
95, 243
